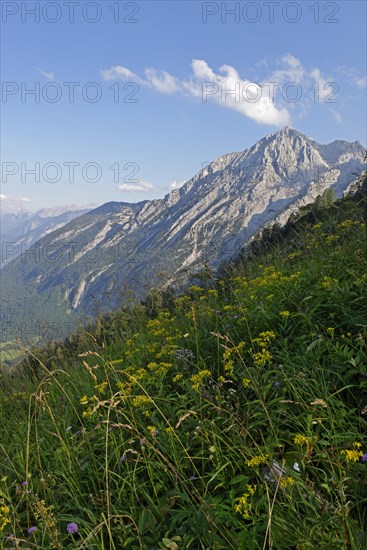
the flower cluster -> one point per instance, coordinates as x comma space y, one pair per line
197, 379
301, 439
353, 455
141, 401
185, 354
4, 517
243, 505
286, 482
229, 358
257, 460
72, 528
263, 356
329, 282
246, 382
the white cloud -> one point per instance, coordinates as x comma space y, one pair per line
360, 81
114, 73
48, 76
229, 90
207, 85
262, 63
12, 205
336, 115
14, 199
159, 80
202, 71
325, 85
162, 81
298, 86
291, 71
137, 187
354, 75
290, 88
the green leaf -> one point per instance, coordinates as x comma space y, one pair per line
168, 543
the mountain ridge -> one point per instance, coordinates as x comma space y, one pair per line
92, 263
20, 229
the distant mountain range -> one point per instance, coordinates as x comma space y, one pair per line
20, 229
95, 261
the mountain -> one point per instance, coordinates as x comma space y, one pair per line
20, 229
93, 263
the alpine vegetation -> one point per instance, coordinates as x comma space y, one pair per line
97, 261
231, 415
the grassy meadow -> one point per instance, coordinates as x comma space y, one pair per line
232, 416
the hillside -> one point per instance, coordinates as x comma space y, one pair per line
232, 416
20, 229
94, 263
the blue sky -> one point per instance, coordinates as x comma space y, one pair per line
178, 62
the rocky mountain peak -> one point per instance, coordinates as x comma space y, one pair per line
209, 219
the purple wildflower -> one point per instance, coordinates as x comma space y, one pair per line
72, 528
276, 384
13, 539
31, 530
364, 457
24, 483
123, 458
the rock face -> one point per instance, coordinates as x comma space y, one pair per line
92, 263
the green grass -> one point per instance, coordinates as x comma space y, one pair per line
10, 352
231, 417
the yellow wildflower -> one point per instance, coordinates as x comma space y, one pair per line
284, 314
257, 460
196, 288
141, 401
328, 282
243, 506
301, 439
349, 223
197, 379
286, 482
4, 517
101, 387
267, 336
351, 455
262, 357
